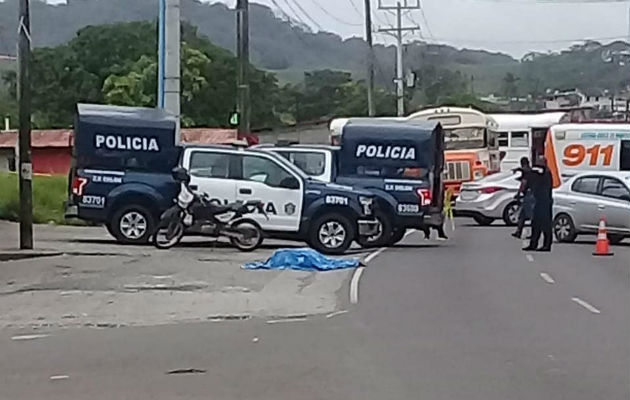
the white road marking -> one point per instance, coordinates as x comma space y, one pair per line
547, 278
586, 305
334, 314
29, 337
285, 320
374, 254
59, 377
529, 257
354, 285
410, 232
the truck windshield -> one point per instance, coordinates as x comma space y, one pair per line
464, 138
312, 163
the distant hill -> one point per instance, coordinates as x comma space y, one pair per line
289, 50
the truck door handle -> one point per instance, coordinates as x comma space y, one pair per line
572, 203
601, 207
193, 187
245, 191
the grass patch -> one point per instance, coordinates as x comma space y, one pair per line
49, 193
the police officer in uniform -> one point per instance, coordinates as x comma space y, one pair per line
541, 184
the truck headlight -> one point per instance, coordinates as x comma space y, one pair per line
366, 203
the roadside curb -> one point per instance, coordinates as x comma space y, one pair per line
26, 254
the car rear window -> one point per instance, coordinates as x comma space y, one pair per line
587, 185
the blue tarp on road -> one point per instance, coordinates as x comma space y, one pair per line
303, 260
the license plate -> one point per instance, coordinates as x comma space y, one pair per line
408, 208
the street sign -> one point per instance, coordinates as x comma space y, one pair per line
235, 119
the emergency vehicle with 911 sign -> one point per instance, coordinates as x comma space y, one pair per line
400, 162
121, 176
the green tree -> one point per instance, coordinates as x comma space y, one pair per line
509, 85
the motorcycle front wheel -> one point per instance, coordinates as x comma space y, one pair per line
250, 236
168, 236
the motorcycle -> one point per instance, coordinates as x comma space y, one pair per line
194, 212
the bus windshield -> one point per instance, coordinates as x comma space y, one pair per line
464, 138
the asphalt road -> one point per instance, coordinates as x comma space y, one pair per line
472, 318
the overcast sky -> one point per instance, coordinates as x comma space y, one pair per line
512, 26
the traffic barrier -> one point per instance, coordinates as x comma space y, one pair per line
602, 246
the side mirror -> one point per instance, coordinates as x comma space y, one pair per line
180, 174
290, 182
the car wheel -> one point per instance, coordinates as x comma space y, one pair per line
331, 234
564, 229
511, 213
132, 224
616, 239
382, 238
482, 220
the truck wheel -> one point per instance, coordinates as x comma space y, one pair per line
397, 236
132, 224
383, 238
331, 234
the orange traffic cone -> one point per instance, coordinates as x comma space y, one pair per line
602, 247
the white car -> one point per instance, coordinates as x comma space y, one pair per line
584, 199
490, 198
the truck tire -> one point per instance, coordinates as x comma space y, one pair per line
397, 236
331, 234
384, 238
132, 224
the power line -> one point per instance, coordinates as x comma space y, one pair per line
426, 23
354, 6
333, 16
288, 17
306, 14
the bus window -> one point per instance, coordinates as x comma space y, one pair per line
624, 159
520, 139
503, 139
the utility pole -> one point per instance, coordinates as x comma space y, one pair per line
398, 32
370, 59
169, 63
242, 81
24, 142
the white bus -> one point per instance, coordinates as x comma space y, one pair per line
515, 134
470, 139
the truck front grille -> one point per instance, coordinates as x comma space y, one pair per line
457, 171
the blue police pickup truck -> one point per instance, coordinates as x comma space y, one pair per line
400, 162
121, 177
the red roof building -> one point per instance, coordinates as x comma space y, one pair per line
51, 150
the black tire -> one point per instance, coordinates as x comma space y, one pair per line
397, 236
129, 216
383, 238
256, 240
483, 221
616, 239
564, 228
326, 225
174, 232
511, 213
